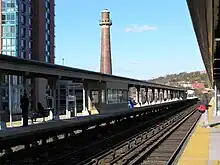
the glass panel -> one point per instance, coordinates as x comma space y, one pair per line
125, 95
119, 97
103, 96
109, 96
95, 96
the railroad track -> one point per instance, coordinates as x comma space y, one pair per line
116, 153
145, 148
165, 150
109, 148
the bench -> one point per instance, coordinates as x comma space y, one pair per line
36, 115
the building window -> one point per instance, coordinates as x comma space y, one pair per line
115, 96
47, 5
13, 42
47, 48
29, 56
4, 43
95, 97
3, 4
47, 15
23, 55
119, 96
29, 33
9, 18
47, 37
103, 96
109, 96
47, 58
47, 26
12, 29
22, 19
125, 95
29, 10
22, 31
30, 21
10, 4
22, 43
8, 41
3, 18
9, 27
29, 45
13, 53
23, 6
6, 79
5, 29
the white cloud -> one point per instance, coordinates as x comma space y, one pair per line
140, 28
135, 62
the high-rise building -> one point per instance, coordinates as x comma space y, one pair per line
27, 31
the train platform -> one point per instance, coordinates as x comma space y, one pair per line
17, 136
18, 123
203, 146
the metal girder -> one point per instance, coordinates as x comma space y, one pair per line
13, 65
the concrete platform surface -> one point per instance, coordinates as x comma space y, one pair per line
203, 146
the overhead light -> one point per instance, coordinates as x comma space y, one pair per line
217, 39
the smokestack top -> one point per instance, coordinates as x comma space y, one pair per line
105, 11
105, 18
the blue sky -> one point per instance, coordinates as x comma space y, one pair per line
150, 38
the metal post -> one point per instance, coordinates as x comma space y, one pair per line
67, 109
75, 109
2, 112
153, 95
57, 117
55, 110
84, 99
146, 93
158, 95
163, 95
165, 92
10, 100
25, 89
138, 96
89, 100
216, 100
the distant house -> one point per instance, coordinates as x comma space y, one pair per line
186, 85
190, 93
198, 86
203, 72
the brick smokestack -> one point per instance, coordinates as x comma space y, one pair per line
106, 61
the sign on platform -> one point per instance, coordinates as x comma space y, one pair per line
71, 98
75, 85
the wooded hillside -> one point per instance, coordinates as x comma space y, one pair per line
183, 78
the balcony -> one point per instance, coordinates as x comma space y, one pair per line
105, 22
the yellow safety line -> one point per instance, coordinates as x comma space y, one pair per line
18, 122
215, 162
210, 111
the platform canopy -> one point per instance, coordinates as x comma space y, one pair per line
205, 19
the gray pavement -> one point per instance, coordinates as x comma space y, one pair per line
214, 146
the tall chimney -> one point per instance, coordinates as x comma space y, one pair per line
106, 62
